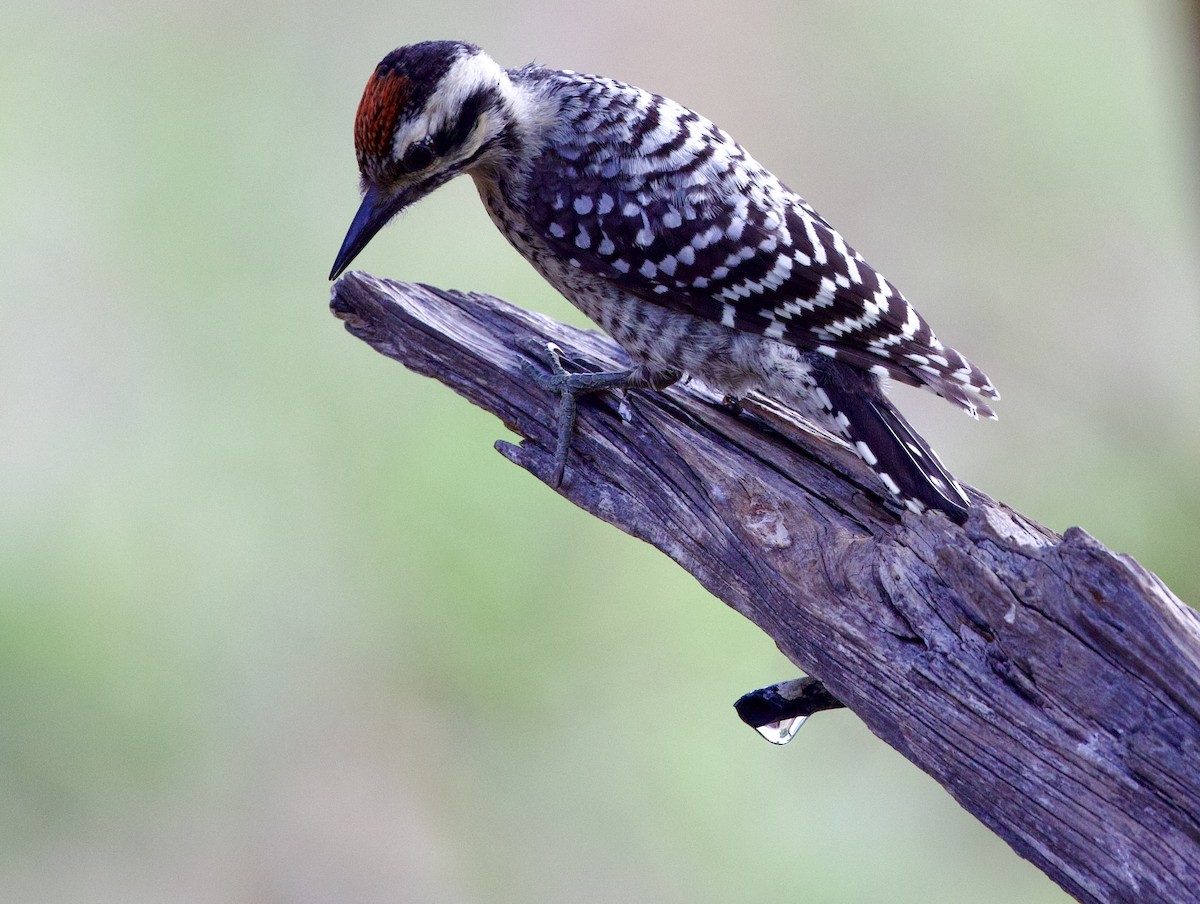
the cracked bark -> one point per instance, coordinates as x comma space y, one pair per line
1049, 684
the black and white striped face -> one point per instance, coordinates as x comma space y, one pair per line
429, 112
429, 108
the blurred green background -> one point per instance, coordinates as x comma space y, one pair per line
277, 624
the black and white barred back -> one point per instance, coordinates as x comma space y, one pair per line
663, 230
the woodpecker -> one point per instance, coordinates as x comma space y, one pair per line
666, 233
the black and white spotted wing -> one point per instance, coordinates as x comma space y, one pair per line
651, 196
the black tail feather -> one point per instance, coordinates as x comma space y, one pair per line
896, 452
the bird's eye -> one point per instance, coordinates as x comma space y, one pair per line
417, 157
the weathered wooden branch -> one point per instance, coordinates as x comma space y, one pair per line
1050, 685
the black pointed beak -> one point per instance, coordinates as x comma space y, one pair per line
373, 214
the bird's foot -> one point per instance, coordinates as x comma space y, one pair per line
568, 387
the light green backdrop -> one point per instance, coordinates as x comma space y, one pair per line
276, 623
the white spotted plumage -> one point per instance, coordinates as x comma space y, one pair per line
695, 258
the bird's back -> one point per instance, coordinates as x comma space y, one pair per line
628, 197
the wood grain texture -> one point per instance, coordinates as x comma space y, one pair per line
1049, 684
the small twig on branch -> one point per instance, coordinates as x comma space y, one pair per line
1050, 685
778, 711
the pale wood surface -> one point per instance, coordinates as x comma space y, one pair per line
1050, 685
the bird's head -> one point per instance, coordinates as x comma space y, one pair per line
429, 112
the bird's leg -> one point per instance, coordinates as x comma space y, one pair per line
570, 386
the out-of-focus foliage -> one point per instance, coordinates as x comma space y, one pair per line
275, 622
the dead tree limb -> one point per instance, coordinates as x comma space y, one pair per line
1050, 685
